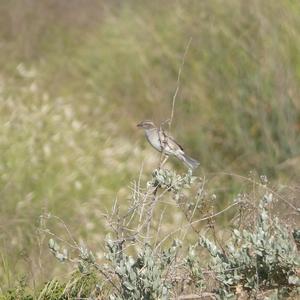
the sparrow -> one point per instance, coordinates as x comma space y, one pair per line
160, 140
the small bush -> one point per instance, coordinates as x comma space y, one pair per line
257, 257
260, 258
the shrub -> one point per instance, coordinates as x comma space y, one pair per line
258, 258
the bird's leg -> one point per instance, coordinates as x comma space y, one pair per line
164, 144
161, 159
164, 161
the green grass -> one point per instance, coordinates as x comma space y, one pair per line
68, 140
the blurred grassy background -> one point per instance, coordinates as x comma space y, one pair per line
76, 76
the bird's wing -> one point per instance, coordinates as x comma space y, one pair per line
167, 139
173, 141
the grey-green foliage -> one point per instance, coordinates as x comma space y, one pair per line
264, 257
60, 254
171, 181
144, 277
296, 235
260, 257
194, 265
86, 261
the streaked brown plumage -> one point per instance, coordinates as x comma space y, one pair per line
163, 142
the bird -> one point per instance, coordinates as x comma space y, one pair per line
160, 140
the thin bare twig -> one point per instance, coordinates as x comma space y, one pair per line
197, 221
178, 81
150, 213
297, 209
47, 231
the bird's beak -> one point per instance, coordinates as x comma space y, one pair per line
139, 125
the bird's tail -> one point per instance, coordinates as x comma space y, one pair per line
190, 162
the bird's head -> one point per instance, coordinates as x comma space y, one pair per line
146, 125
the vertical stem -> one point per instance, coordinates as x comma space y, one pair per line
178, 82
150, 213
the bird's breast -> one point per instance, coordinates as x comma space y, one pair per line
153, 139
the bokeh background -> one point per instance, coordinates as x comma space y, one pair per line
75, 78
